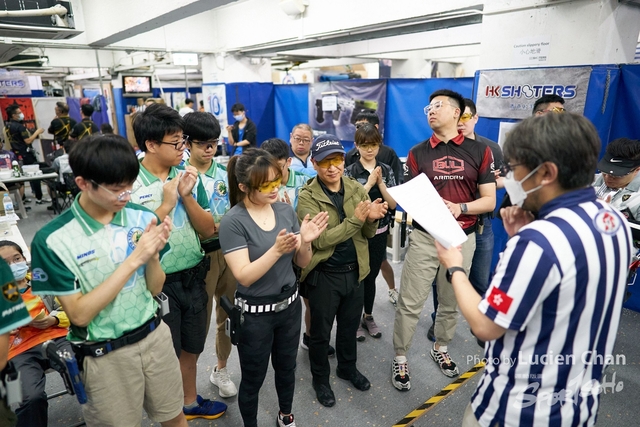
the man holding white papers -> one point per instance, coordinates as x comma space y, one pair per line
457, 167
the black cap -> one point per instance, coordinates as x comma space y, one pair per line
617, 166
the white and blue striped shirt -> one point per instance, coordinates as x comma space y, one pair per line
558, 290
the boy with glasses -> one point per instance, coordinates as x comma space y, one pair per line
102, 258
548, 104
204, 130
181, 196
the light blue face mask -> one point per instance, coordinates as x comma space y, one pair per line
239, 117
19, 270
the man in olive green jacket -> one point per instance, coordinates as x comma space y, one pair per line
340, 262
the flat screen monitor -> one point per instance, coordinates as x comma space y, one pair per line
137, 86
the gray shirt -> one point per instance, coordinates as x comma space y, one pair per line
239, 231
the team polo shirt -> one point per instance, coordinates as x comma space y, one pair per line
13, 312
185, 251
558, 290
455, 169
216, 186
292, 187
75, 253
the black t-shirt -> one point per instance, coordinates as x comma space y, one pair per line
385, 155
345, 252
61, 127
83, 129
360, 174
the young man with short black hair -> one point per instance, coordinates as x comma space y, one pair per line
243, 132
458, 168
177, 193
203, 130
86, 127
188, 107
102, 258
292, 180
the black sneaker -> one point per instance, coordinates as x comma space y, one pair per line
324, 394
358, 380
26, 201
305, 345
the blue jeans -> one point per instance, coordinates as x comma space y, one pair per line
481, 265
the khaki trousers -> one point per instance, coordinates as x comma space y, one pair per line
421, 267
219, 282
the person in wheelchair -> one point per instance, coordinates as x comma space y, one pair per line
619, 182
25, 343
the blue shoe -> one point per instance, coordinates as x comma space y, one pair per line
208, 409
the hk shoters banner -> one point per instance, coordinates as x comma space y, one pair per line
334, 106
510, 94
215, 102
14, 83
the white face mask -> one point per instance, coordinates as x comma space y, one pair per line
516, 193
20, 117
239, 117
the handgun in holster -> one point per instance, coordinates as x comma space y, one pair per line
67, 366
233, 324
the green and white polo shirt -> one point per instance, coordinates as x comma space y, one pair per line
185, 249
292, 187
13, 313
75, 253
216, 186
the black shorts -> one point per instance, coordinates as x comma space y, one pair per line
187, 317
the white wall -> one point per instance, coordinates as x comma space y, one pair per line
581, 32
236, 69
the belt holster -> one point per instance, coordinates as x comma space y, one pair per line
233, 324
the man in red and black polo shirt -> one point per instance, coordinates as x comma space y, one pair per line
457, 167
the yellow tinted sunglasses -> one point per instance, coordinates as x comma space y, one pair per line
268, 187
465, 117
334, 161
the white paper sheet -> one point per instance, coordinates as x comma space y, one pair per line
420, 199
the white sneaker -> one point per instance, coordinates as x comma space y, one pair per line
400, 373
393, 297
220, 378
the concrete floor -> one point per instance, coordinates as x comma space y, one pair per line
382, 405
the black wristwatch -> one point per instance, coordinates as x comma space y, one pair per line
452, 270
463, 208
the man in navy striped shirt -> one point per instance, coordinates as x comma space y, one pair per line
551, 313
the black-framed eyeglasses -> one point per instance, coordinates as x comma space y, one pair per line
178, 145
119, 197
205, 145
508, 167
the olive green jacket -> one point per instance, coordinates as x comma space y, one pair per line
312, 199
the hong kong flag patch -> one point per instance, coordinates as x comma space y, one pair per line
499, 300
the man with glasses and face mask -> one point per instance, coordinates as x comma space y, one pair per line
340, 262
301, 138
177, 193
458, 168
558, 288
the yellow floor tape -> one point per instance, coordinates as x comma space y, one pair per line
426, 406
